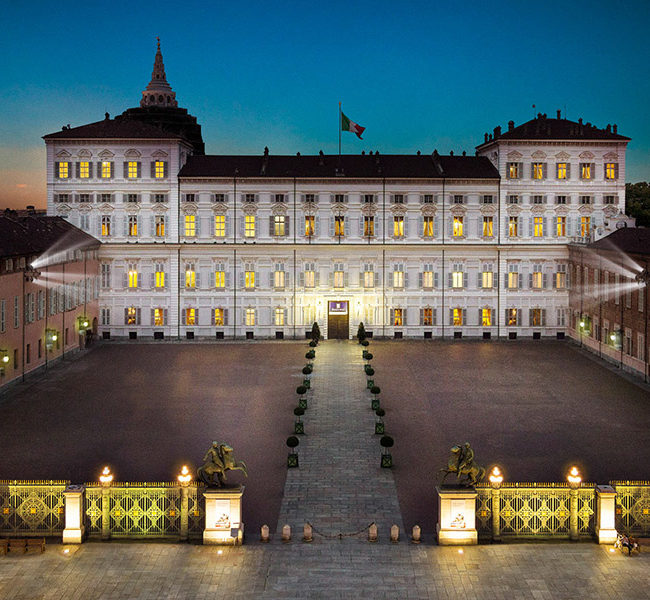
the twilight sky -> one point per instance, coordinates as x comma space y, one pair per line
418, 75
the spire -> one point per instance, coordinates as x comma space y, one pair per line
158, 92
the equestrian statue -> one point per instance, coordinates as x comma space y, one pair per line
217, 460
462, 463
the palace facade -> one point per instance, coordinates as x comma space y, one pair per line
423, 245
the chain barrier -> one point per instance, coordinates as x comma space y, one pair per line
339, 535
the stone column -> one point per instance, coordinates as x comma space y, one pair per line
573, 514
106, 517
74, 511
456, 516
605, 514
185, 510
223, 524
496, 513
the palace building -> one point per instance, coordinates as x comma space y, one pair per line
420, 246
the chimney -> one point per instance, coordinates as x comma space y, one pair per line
615, 129
321, 158
539, 115
580, 120
486, 138
107, 116
418, 153
559, 114
511, 125
608, 129
451, 153
497, 132
464, 153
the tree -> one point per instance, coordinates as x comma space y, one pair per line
637, 202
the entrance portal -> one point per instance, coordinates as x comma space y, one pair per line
338, 320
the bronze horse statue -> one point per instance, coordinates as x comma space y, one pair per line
217, 460
462, 463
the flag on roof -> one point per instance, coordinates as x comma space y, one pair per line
348, 125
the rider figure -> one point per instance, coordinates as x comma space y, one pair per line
213, 456
465, 459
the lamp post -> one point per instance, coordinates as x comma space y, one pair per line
496, 479
575, 479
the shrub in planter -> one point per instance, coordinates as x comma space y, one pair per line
380, 427
298, 426
310, 355
306, 383
292, 458
315, 333
313, 344
375, 391
301, 390
367, 355
386, 458
361, 333
369, 370
365, 343
370, 384
307, 369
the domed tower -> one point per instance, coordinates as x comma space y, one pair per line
159, 107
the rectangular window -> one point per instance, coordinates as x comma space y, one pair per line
513, 226
84, 170
427, 226
537, 200
586, 171
513, 170
560, 226
513, 199
488, 227
132, 276
398, 226
427, 316
158, 316
220, 278
560, 277
310, 275
219, 315
611, 170
311, 198
310, 225
159, 169
249, 277
190, 276
398, 317
106, 225
585, 199
132, 198
427, 198
457, 317
609, 199
537, 277
487, 277
279, 225
158, 198
537, 317
585, 226
133, 225
457, 229
250, 317
340, 198
190, 225
487, 199
85, 198
64, 170
428, 278
249, 226
106, 169
219, 198
105, 276
189, 198
398, 199
398, 276
512, 317
368, 277
339, 275
368, 226
368, 198
339, 225
220, 226
280, 198
560, 200
132, 169
190, 316
279, 316
486, 317
458, 199
538, 226
131, 314
457, 277
105, 316
561, 170
159, 275
278, 276
159, 225
513, 277
249, 197
538, 170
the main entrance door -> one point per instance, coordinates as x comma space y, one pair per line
338, 320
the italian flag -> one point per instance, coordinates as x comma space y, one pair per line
347, 125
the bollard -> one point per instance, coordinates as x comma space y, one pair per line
394, 534
264, 533
286, 533
417, 534
307, 533
372, 532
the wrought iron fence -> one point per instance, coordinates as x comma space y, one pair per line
32, 508
633, 507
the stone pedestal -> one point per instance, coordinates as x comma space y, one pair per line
74, 509
223, 524
456, 516
605, 514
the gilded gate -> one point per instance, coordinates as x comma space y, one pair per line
32, 508
633, 507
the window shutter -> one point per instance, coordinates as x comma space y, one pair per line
451, 316
361, 226
165, 169
521, 281
331, 226
198, 279
377, 278
479, 280
271, 279
406, 280
480, 317
212, 315
316, 226
286, 316
317, 278
98, 226
464, 316
530, 280
569, 225
138, 312
241, 280
126, 316
436, 227
198, 225
225, 316
139, 169
152, 226
530, 226
330, 280
421, 226
242, 226
360, 278
420, 277
421, 316
183, 315
56, 169
465, 279
405, 313
495, 282
196, 317
137, 224
544, 219
378, 226
530, 317
153, 317
543, 315
77, 170
450, 225
90, 169
125, 280
227, 226
152, 164
406, 225
615, 170
125, 171
435, 279
271, 223
392, 317
287, 225
544, 170
301, 279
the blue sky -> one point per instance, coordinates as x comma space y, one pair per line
417, 75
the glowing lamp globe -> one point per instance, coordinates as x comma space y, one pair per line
582, 323
5, 358
106, 477
184, 478
613, 337
574, 477
496, 477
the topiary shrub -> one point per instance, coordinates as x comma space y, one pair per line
365, 343
313, 344
369, 371
299, 426
301, 390
315, 333
375, 389
361, 333
367, 355
310, 355
386, 458
292, 458
380, 428
307, 369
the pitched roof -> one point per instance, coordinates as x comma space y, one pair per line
35, 234
113, 129
367, 166
633, 240
543, 128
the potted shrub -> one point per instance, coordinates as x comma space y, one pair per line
306, 383
365, 343
380, 428
292, 458
298, 426
367, 356
315, 333
375, 391
361, 333
307, 369
386, 458
301, 390
311, 354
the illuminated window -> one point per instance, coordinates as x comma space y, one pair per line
611, 170
159, 275
106, 225
398, 317
133, 225
368, 226
278, 276
279, 225
249, 226
513, 226
512, 168
106, 169
513, 277
339, 275
368, 276
398, 226
132, 168
560, 277
84, 170
561, 170
398, 276
279, 316
131, 315
64, 170
457, 316
428, 279
512, 317
159, 169
250, 317
159, 225
220, 277
457, 276
585, 226
310, 228
219, 317
487, 277
560, 226
537, 278
133, 276
538, 170
190, 225
190, 276
158, 316
249, 277
220, 225
458, 227
339, 225
486, 317
488, 226
585, 171
538, 226
427, 226
309, 275
190, 316
537, 317
427, 316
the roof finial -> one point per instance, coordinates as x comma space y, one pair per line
158, 40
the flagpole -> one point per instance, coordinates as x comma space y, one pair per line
340, 124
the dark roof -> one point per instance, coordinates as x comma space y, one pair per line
543, 128
633, 240
35, 234
113, 129
371, 166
